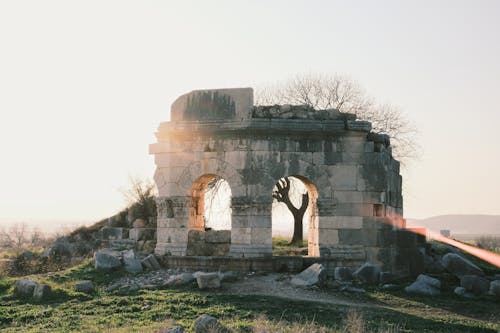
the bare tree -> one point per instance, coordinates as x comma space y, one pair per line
282, 194
339, 92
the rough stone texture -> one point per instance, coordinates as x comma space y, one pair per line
425, 285
343, 274
461, 291
354, 184
150, 262
132, 265
207, 324
41, 292
313, 275
495, 288
368, 273
107, 260
459, 266
208, 280
476, 284
85, 286
24, 288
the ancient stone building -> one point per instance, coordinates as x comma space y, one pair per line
354, 185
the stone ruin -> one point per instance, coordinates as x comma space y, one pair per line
354, 183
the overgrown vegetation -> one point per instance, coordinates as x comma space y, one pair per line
147, 310
490, 243
282, 246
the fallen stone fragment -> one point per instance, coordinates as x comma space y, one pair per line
313, 275
107, 260
368, 273
460, 266
24, 288
41, 292
208, 281
495, 288
84, 286
475, 284
425, 285
150, 262
207, 324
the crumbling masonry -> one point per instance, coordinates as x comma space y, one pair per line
354, 185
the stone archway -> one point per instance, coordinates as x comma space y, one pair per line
300, 189
206, 235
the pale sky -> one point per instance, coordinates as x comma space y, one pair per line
84, 85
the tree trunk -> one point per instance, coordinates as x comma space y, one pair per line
298, 230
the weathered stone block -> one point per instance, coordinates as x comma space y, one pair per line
328, 237
341, 222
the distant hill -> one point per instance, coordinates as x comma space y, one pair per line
460, 224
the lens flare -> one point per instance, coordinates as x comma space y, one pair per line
482, 254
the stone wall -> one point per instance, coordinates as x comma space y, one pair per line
353, 182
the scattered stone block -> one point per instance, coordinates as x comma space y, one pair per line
313, 275
85, 286
368, 273
150, 262
460, 266
495, 288
460, 291
132, 265
208, 280
41, 292
476, 284
425, 285
207, 324
342, 274
183, 279
24, 288
107, 259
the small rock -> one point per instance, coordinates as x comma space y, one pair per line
460, 291
460, 266
208, 280
429, 280
476, 284
425, 285
150, 262
313, 275
207, 324
132, 265
368, 273
495, 288
24, 288
342, 274
85, 286
41, 292
107, 260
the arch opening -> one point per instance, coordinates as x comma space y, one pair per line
295, 217
209, 224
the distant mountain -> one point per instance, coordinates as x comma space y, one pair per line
460, 224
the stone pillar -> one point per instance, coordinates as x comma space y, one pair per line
251, 234
173, 218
